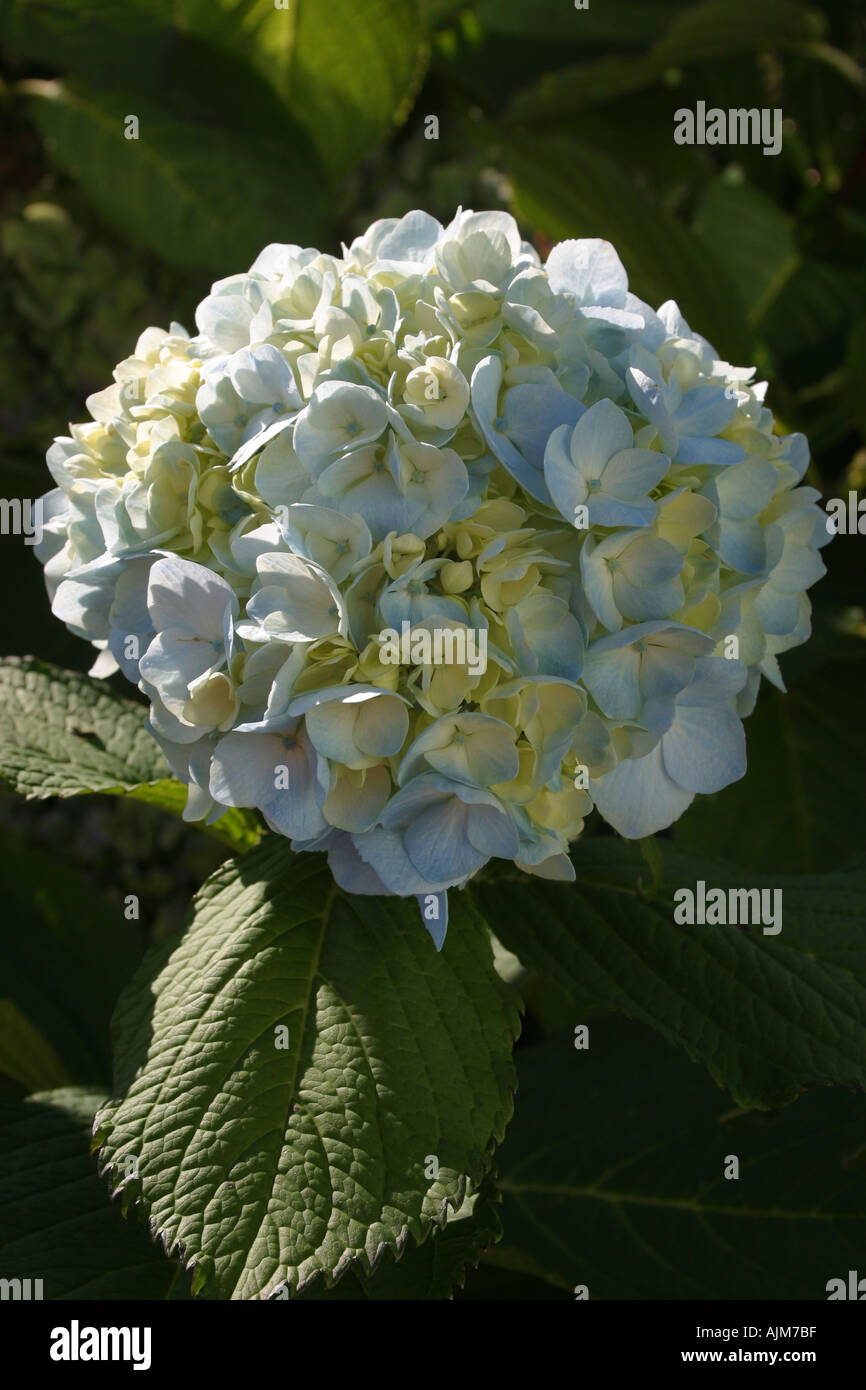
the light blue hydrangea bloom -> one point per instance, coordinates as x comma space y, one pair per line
426, 550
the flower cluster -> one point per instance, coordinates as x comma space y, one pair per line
437, 439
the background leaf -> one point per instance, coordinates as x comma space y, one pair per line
752, 238
811, 314
710, 29
767, 1015
56, 1223
65, 955
344, 71
62, 734
625, 21
195, 192
612, 1176
26, 1057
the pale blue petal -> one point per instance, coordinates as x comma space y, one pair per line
638, 797
434, 915
349, 870
243, 770
741, 545
600, 433
632, 473
492, 833
590, 269
705, 748
699, 449
438, 845
566, 482
664, 671
187, 596
532, 412
704, 410
610, 511
598, 585
649, 561
612, 677
743, 490
716, 678
779, 612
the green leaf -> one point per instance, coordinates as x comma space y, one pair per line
752, 238
855, 373
338, 77
346, 72
65, 956
56, 1220
618, 21
308, 1157
237, 828
712, 29
142, 49
196, 192
434, 1270
812, 311
799, 806
59, 34
599, 199
613, 1177
766, 1014
26, 1057
63, 734
718, 27
491, 1283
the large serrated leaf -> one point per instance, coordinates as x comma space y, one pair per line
767, 1014
434, 1270
613, 1176
64, 734
56, 1223
268, 1165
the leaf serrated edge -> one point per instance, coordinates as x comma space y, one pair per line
513, 1008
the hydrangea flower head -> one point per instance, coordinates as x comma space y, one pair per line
428, 550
